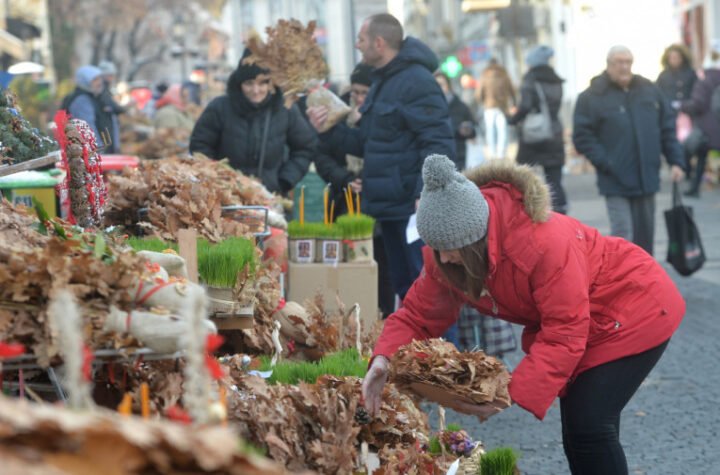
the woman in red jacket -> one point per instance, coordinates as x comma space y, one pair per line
598, 311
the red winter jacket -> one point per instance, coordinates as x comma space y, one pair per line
583, 298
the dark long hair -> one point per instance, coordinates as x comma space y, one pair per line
469, 276
682, 50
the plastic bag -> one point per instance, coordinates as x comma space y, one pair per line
337, 109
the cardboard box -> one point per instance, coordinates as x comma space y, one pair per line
353, 282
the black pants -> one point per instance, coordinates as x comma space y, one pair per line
386, 292
590, 413
699, 170
404, 260
553, 177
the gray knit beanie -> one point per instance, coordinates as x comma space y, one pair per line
539, 56
452, 212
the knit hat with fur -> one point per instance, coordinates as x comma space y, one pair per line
453, 212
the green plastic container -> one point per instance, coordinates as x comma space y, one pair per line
21, 188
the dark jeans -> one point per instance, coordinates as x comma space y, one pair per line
590, 413
633, 219
698, 171
386, 292
553, 177
404, 260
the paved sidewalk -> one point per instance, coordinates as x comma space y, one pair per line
672, 425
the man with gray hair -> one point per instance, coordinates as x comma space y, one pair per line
623, 124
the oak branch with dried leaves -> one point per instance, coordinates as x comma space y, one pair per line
292, 55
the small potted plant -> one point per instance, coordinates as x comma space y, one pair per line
330, 244
301, 241
227, 268
357, 231
329, 237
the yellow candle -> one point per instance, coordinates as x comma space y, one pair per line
302, 206
125, 407
326, 195
357, 198
145, 400
350, 201
223, 403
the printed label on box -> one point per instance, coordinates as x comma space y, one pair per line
304, 250
331, 252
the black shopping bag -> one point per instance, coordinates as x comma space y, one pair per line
685, 249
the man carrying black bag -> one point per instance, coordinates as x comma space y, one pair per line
685, 249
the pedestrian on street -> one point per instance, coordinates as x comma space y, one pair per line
171, 112
598, 311
461, 118
251, 126
623, 124
495, 94
84, 102
109, 108
676, 81
677, 78
404, 119
549, 154
341, 170
706, 126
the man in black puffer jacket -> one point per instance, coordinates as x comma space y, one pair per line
251, 126
623, 124
404, 119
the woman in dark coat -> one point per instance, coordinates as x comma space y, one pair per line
251, 126
677, 77
549, 154
461, 119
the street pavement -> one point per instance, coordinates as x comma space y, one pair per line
672, 424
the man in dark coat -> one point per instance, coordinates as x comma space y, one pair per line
706, 122
251, 126
404, 119
549, 154
623, 124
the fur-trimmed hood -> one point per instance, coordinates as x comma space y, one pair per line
536, 194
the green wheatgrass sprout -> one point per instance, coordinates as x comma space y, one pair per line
331, 232
304, 231
343, 363
500, 461
358, 226
219, 264
150, 244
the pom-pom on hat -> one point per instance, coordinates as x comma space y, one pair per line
453, 212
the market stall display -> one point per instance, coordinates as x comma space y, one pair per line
19, 140
176, 193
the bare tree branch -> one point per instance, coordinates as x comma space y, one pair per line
138, 64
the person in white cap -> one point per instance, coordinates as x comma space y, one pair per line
598, 311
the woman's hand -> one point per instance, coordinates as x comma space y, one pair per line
317, 115
373, 384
